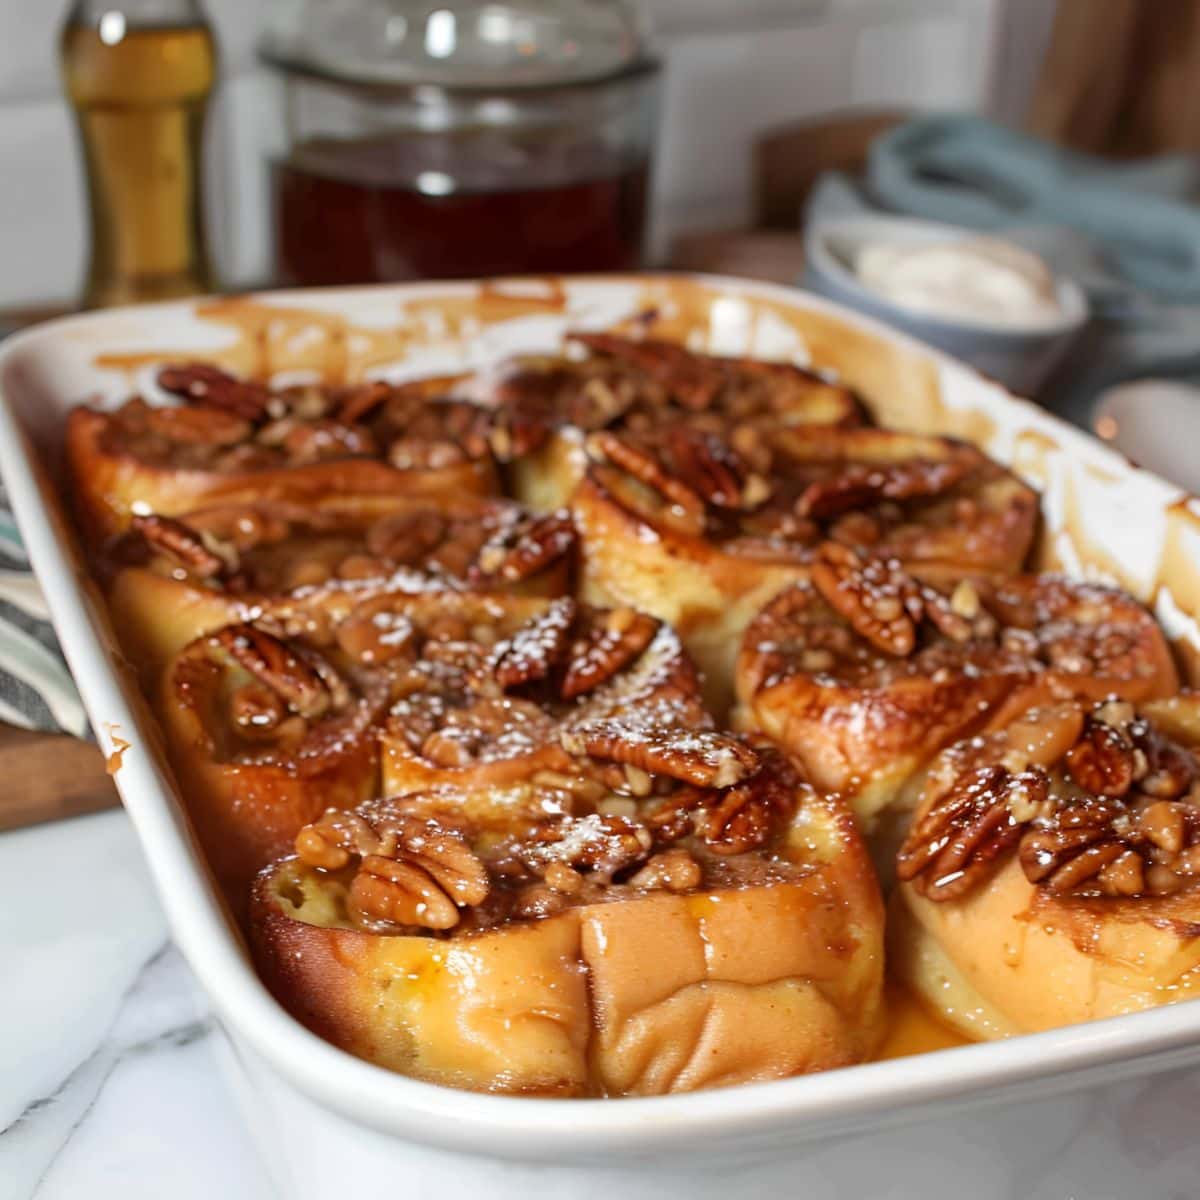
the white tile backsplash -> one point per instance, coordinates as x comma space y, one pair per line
726, 79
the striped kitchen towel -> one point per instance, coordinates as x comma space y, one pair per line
36, 689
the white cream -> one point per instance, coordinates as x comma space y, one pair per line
974, 279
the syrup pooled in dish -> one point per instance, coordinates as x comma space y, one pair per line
231, 438
307, 566
868, 670
704, 532
1051, 873
613, 934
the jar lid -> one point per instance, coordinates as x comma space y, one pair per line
454, 43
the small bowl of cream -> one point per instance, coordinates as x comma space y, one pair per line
988, 301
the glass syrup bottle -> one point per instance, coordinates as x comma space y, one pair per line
139, 74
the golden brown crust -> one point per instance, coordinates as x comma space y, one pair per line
704, 535
866, 706
636, 980
289, 445
264, 734
308, 566
1051, 870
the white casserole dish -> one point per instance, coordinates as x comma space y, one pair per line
330, 1121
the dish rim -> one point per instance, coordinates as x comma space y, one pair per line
547, 1130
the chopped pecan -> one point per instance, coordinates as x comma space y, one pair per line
961, 616
536, 648
433, 433
876, 596
320, 441
376, 636
954, 846
421, 454
673, 870
694, 380
527, 550
273, 662
700, 757
612, 641
207, 385
182, 543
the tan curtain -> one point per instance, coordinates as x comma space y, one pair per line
1121, 77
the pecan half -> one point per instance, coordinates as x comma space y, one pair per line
203, 384
714, 471
536, 648
412, 871
646, 468
736, 819
859, 485
749, 814
673, 871
199, 426
699, 757
1072, 847
273, 662
527, 550
1102, 761
953, 847
613, 640
182, 543
876, 596
362, 401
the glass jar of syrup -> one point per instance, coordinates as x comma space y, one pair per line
452, 139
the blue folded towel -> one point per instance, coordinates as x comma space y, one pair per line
1142, 215
1128, 233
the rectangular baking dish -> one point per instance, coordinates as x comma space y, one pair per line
329, 1118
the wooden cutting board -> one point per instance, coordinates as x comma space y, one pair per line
50, 776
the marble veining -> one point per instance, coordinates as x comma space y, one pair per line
112, 1083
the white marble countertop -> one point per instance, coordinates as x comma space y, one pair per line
109, 1081
111, 1085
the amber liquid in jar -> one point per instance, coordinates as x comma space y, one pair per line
341, 217
140, 96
